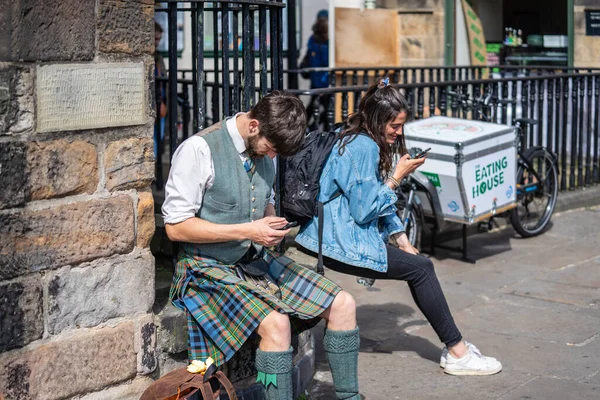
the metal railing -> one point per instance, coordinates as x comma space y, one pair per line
239, 87
566, 106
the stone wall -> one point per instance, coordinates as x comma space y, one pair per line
587, 48
421, 29
76, 213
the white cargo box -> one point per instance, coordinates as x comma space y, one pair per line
471, 164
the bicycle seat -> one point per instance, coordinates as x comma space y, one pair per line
526, 121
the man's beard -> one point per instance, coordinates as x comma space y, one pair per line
252, 147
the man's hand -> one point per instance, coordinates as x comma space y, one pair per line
404, 244
265, 231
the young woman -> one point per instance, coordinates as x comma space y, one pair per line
361, 220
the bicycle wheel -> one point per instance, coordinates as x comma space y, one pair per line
413, 225
536, 198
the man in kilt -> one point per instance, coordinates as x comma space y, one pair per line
219, 206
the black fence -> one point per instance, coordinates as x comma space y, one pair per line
232, 78
565, 105
341, 77
245, 60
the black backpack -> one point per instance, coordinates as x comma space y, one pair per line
301, 182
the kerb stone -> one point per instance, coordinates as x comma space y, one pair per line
60, 168
52, 30
34, 240
145, 219
21, 313
86, 96
83, 363
129, 164
88, 296
126, 26
126, 391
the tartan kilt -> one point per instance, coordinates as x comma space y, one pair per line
223, 310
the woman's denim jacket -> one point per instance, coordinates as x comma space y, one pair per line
357, 223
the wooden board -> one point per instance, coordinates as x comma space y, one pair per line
366, 38
475, 34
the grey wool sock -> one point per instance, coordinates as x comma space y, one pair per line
341, 349
275, 373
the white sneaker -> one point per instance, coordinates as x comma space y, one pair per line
469, 345
472, 363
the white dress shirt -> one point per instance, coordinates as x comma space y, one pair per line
192, 173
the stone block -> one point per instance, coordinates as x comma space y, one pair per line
145, 346
303, 373
21, 313
241, 366
83, 363
422, 24
86, 96
88, 296
145, 219
172, 330
13, 174
53, 30
16, 100
60, 168
129, 164
5, 29
411, 47
126, 26
127, 391
587, 51
34, 240
414, 5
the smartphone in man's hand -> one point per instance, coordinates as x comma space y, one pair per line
288, 226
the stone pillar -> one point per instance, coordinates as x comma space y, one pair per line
76, 212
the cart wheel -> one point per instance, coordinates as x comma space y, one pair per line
414, 227
536, 198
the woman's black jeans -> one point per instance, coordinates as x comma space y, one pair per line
418, 271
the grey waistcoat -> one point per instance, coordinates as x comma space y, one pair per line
233, 198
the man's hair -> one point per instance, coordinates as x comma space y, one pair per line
282, 120
157, 27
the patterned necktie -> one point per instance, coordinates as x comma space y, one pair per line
249, 165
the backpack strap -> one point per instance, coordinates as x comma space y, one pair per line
320, 218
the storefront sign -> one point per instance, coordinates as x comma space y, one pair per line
592, 22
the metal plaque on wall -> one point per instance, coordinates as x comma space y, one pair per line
592, 22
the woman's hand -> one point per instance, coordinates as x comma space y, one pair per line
404, 244
407, 165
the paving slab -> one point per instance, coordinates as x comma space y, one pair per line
532, 303
568, 293
554, 389
576, 223
533, 322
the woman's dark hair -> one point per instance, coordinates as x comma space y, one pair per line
378, 107
282, 120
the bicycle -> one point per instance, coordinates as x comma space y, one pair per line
536, 182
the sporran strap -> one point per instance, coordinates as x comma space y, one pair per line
320, 218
